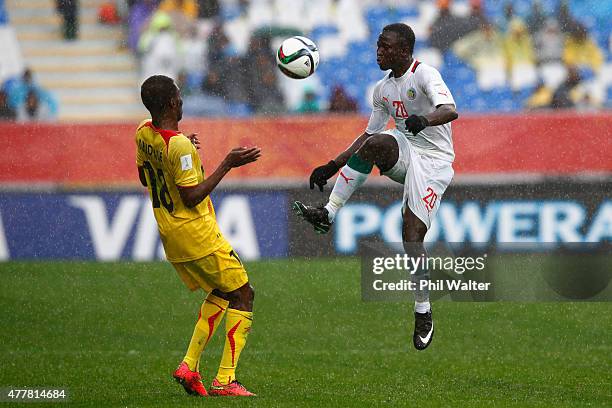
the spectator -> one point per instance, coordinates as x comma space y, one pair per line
19, 89
69, 9
184, 14
309, 103
567, 23
586, 103
566, 95
341, 102
108, 13
548, 43
507, 18
536, 19
447, 28
208, 9
540, 98
225, 72
187, 7
32, 110
6, 112
476, 20
520, 58
197, 67
581, 51
161, 48
138, 20
483, 50
264, 95
123, 13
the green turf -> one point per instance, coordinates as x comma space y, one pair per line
113, 333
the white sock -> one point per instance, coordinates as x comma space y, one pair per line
347, 182
422, 307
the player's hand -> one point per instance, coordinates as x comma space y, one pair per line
415, 123
321, 174
194, 139
240, 156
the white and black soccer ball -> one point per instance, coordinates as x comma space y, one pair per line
297, 57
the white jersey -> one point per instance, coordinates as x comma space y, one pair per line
417, 92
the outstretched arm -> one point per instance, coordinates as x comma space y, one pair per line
345, 155
240, 156
321, 174
377, 123
443, 114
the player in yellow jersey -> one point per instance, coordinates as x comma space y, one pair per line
169, 165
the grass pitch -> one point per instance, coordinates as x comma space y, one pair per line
113, 333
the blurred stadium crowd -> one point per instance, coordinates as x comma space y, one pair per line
495, 55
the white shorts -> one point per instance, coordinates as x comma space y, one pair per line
425, 178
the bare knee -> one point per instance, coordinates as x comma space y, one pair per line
372, 147
242, 298
381, 150
416, 233
218, 293
249, 293
374, 142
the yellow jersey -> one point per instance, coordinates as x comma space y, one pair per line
169, 160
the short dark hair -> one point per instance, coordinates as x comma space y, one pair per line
156, 92
405, 34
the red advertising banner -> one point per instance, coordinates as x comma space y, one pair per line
82, 154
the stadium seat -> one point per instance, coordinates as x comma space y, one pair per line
549, 4
601, 36
193, 80
320, 13
346, 34
465, 74
605, 75
204, 105
461, 78
4, 19
12, 61
260, 14
522, 7
323, 30
523, 76
375, 16
452, 61
292, 14
553, 74
522, 95
586, 73
460, 8
480, 104
238, 110
229, 11
432, 57
332, 47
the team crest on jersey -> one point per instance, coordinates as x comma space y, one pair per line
411, 94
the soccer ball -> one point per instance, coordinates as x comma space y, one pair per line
297, 57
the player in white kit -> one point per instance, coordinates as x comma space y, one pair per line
418, 153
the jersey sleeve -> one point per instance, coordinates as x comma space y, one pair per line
433, 85
139, 158
182, 161
379, 116
137, 139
